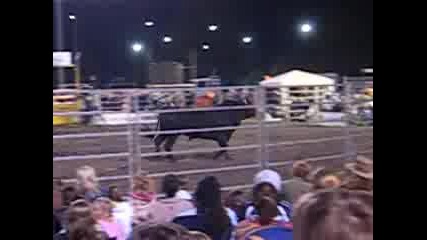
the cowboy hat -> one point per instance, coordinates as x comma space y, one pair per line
362, 167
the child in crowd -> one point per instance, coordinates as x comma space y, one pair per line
267, 217
236, 201
87, 184
142, 195
165, 209
122, 209
268, 183
102, 213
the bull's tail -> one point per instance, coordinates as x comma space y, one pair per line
153, 137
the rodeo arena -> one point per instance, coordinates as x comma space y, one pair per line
156, 154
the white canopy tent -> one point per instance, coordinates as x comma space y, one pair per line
284, 89
297, 78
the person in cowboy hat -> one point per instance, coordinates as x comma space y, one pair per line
361, 174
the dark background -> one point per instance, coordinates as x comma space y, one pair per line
342, 41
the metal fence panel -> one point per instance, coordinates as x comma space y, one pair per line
129, 103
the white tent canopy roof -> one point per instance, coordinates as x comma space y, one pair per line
296, 78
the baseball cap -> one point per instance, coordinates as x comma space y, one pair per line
269, 176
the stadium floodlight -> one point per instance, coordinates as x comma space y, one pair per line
247, 39
137, 47
367, 70
213, 28
167, 39
306, 28
205, 47
149, 23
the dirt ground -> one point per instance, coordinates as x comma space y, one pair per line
239, 170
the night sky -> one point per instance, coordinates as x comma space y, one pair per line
342, 41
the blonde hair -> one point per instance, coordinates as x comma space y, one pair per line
196, 235
86, 176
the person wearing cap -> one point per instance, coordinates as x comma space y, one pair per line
165, 209
267, 218
298, 185
268, 183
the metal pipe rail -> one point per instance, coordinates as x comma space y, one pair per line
198, 130
166, 132
220, 169
204, 150
89, 135
169, 132
219, 108
91, 156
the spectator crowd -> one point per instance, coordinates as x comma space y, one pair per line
316, 203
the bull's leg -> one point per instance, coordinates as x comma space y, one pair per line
222, 143
170, 141
158, 140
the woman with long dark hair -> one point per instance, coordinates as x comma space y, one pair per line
210, 216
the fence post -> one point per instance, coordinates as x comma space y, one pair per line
263, 151
349, 150
137, 130
130, 140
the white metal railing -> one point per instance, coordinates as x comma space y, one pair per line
133, 130
220, 169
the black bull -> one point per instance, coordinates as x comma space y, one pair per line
199, 120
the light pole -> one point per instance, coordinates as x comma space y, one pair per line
59, 37
76, 55
73, 20
137, 49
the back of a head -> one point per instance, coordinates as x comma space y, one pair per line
159, 232
208, 203
208, 193
334, 214
85, 229
170, 185
69, 194
78, 209
195, 235
301, 169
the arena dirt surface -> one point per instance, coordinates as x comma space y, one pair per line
119, 166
